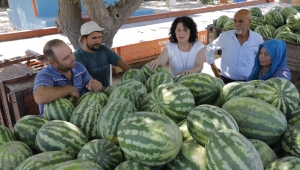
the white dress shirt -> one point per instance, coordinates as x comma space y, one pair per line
237, 61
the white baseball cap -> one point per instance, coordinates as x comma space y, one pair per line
89, 27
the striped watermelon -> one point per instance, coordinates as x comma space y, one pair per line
105, 153
132, 165
77, 164
204, 87
157, 79
288, 36
279, 92
111, 116
266, 154
85, 117
257, 119
274, 18
12, 154
293, 21
58, 135
145, 105
60, 109
44, 160
27, 127
222, 20
234, 89
229, 24
271, 28
136, 85
256, 21
127, 93
228, 149
149, 138
286, 163
5, 135
286, 11
297, 7
264, 31
176, 78
186, 136
94, 96
256, 83
293, 118
276, 8
201, 122
173, 100
149, 72
256, 11
283, 28
291, 141
191, 156
134, 74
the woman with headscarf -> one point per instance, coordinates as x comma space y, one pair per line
270, 62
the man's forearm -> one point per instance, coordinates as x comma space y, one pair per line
124, 66
44, 95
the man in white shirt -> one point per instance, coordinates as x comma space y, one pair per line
239, 48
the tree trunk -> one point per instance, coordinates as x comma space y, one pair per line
110, 18
69, 20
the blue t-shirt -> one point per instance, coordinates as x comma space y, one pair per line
49, 76
98, 63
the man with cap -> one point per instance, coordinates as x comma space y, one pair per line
97, 57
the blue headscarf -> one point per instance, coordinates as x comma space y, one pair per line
277, 53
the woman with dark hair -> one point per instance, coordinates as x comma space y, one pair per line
184, 53
270, 62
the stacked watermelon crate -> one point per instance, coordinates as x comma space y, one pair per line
153, 121
279, 23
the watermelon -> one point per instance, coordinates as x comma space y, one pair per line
176, 78
186, 136
204, 87
288, 163
256, 83
134, 74
234, 89
105, 153
191, 156
173, 100
78, 164
256, 11
44, 160
297, 7
286, 11
27, 127
149, 138
136, 85
229, 24
149, 72
222, 20
5, 135
283, 28
12, 154
201, 122
279, 92
145, 105
271, 28
257, 119
291, 141
293, 21
157, 79
264, 31
85, 117
132, 165
58, 135
94, 96
266, 154
288, 36
59, 109
111, 116
228, 149
276, 8
127, 93
293, 118
256, 21
274, 18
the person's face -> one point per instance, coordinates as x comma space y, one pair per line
241, 23
182, 33
94, 40
65, 59
264, 57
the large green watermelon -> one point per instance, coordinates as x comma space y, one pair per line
293, 21
78, 164
134, 74
285, 163
256, 11
291, 141
59, 109
157, 79
274, 18
222, 20
5, 135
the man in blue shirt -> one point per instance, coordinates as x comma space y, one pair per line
63, 77
239, 48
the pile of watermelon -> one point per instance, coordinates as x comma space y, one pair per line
279, 22
150, 120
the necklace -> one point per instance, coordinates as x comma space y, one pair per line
184, 66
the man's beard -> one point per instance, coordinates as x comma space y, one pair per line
238, 31
93, 47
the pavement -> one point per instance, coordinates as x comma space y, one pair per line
127, 34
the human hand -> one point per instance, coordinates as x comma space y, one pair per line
186, 72
94, 85
217, 71
74, 94
154, 64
